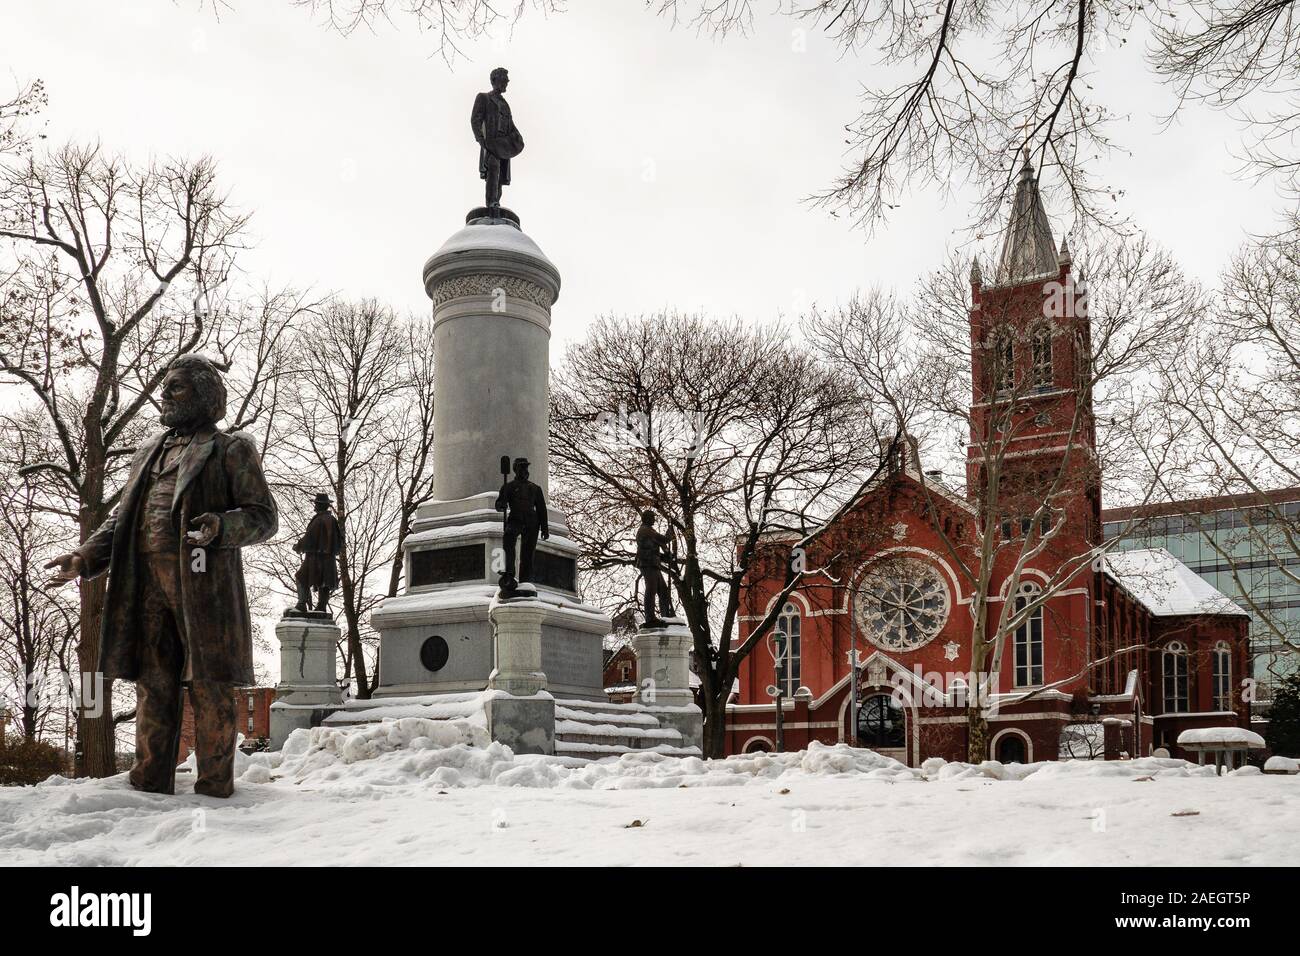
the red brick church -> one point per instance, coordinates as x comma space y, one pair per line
1114, 654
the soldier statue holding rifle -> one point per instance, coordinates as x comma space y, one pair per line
524, 509
653, 549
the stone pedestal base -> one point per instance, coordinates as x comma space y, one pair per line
524, 724
308, 690
453, 564
663, 670
517, 638
520, 716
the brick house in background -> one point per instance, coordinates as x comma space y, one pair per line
252, 718
1126, 653
620, 680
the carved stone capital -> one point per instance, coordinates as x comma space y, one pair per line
509, 287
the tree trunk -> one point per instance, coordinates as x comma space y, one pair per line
30, 713
715, 723
977, 733
96, 741
350, 615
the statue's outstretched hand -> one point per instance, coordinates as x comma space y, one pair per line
545, 535
208, 525
70, 567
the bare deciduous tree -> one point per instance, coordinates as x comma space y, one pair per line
450, 21
355, 418
106, 267
16, 112
1230, 407
1233, 55
731, 433
38, 624
410, 438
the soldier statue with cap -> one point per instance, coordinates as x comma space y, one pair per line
525, 518
653, 551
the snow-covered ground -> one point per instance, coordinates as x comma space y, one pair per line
417, 791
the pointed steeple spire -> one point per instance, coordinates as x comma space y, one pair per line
976, 276
1027, 246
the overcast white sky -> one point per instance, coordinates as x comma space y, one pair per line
662, 169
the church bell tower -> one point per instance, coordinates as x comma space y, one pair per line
1032, 432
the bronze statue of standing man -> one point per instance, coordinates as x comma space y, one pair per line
652, 552
498, 138
525, 519
320, 546
176, 612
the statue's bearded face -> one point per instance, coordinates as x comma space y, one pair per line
500, 81
183, 404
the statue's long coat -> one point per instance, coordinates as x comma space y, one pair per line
320, 545
492, 120
219, 473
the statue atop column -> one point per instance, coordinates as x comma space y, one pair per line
176, 612
498, 138
525, 518
320, 546
653, 549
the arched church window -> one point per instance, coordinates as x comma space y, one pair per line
1221, 662
881, 722
1041, 345
1028, 647
1175, 685
788, 639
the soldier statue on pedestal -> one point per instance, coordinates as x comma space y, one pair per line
525, 519
653, 548
320, 546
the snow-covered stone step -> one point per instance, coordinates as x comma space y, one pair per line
563, 711
429, 706
585, 730
575, 703
596, 751
570, 729
594, 730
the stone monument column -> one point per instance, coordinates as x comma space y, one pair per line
492, 289
450, 631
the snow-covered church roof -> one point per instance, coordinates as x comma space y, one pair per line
1164, 585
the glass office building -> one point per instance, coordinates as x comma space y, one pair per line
1238, 545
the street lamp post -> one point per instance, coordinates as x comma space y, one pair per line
853, 698
777, 647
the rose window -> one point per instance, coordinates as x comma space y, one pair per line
901, 604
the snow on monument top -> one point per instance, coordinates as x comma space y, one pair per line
494, 246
